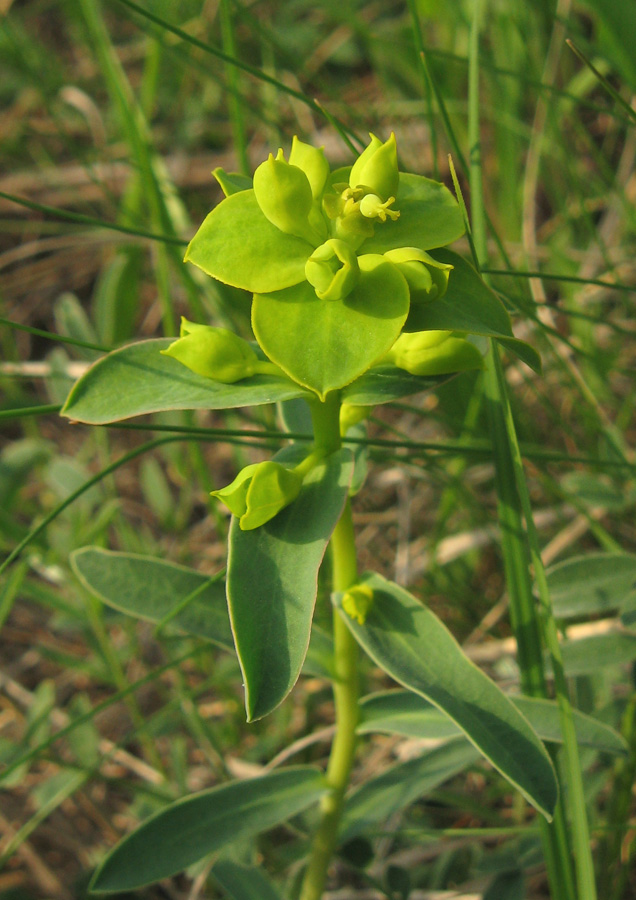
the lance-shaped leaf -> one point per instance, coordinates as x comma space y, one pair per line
414, 647
161, 592
403, 784
138, 379
325, 344
591, 584
385, 383
469, 306
237, 245
429, 217
192, 828
408, 714
156, 591
587, 655
272, 581
243, 882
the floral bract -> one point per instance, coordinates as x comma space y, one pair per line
334, 260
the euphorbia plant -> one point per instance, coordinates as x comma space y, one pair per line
355, 304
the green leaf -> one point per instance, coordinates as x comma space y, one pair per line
237, 245
151, 589
617, 35
319, 659
429, 217
597, 490
587, 655
408, 714
385, 383
272, 582
411, 644
138, 379
243, 882
628, 610
401, 785
325, 344
194, 827
469, 306
590, 584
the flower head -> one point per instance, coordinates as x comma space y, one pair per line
317, 250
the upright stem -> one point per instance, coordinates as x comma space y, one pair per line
345, 687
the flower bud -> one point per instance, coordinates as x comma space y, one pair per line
351, 414
313, 163
213, 352
426, 277
283, 193
259, 492
434, 353
332, 270
376, 168
357, 602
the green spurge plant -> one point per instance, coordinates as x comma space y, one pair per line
356, 303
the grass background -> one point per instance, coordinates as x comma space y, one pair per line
112, 117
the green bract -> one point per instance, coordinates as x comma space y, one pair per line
334, 261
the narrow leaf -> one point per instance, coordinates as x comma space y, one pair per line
411, 644
587, 655
386, 383
192, 828
590, 584
401, 785
152, 589
138, 379
243, 882
272, 582
408, 714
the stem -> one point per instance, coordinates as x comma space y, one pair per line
325, 417
513, 505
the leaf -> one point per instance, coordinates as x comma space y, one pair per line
272, 582
195, 826
429, 217
595, 490
408, 714
325, 344
617, 35
151, 589
237, 245
628, 610
138, 379
385, 383
411, 644
319, 659
243, 882
587, 655
469, 306
590, 584
401, 785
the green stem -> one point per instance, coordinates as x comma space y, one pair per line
325, 417
513, 506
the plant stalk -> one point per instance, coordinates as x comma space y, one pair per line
325, 417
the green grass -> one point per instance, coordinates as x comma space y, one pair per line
114, 114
